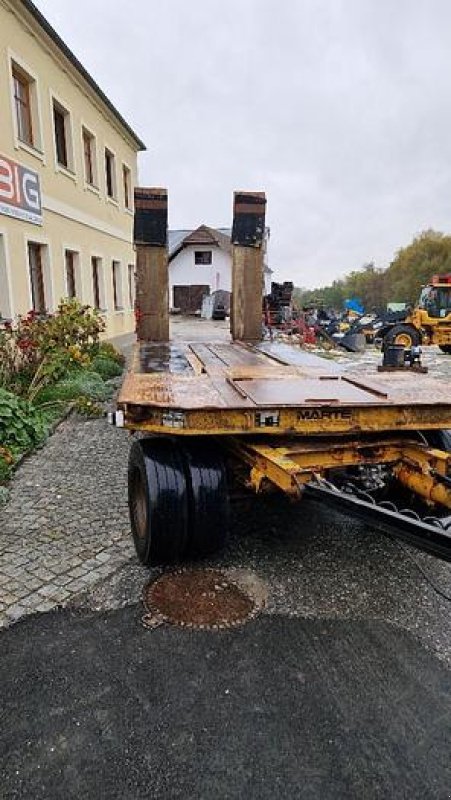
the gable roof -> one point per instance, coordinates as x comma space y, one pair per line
62, 46
202, 236
205, 235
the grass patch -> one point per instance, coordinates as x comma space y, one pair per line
106, 367
84, 383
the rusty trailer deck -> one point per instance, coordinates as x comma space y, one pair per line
235, 388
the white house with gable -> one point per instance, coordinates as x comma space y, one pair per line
200, 263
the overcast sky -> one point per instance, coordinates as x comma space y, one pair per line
339, 109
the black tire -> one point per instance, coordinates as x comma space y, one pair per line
445, 348
158, 501
209, 511
406, 335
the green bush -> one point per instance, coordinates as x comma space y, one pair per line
107, 350
21, 425
87, 408
83, 383
5, 470
106, 367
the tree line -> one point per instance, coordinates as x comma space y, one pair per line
412, 267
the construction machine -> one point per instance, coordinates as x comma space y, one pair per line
429, 322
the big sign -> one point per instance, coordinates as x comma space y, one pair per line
20, 193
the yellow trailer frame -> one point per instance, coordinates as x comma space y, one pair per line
294, 420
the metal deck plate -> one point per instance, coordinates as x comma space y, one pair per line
164, 357
303, 391
220, 375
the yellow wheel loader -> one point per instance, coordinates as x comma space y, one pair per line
428, 323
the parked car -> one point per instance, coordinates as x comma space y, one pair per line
219, 311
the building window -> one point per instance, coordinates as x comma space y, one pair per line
70, 263
203, 257
131, 285
97, 283
110, 174
62, 129
5, 302
126, 182
35, 261
22, 103
25, 107
89, 156
117, 286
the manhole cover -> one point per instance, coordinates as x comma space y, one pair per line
197, 598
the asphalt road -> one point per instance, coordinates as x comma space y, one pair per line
95, 706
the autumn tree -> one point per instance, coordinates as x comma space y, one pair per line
413, 266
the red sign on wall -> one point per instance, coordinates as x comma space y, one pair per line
20, 192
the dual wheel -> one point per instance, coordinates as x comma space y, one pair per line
178, 499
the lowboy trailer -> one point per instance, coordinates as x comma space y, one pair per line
278, 419
301, 428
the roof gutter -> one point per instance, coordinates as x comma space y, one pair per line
47, 28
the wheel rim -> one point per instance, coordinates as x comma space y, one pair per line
403, 339
139, 505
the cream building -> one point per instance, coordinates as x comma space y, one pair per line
68, 167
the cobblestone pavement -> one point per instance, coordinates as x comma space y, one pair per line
65, 526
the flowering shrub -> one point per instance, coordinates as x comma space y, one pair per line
72, 325
88, 408
47, 364
6, 455
38, 350
6, 462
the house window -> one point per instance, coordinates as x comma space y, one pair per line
22, 103
126, 182
203, 257
89, 156
131, 285
110, 174
35, 261
63, 144
117, 286
70, 260
97, 283
5, 303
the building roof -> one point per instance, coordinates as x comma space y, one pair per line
207, 236
201, 236
47, 28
